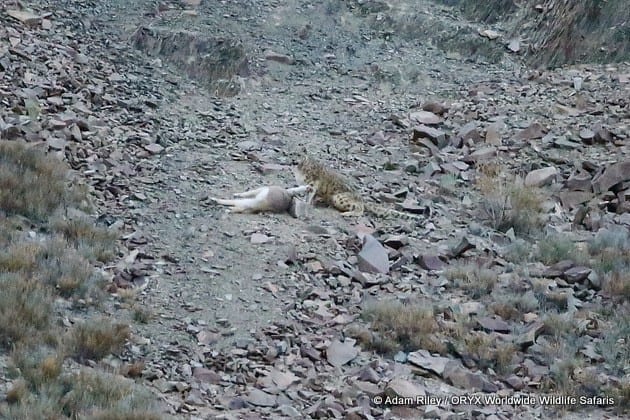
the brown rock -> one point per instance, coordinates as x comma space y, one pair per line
494, 324
206, 375
528, 338
424, 131
493, 135
24, 16
470, 132
435, 107
425, 360
280, 58
576, 274
260, 398
580, 181
612, 175
373, 257
339, 353
430, 262
540, 177
425, 117
481, 155
461, 377
399, 387
572, 199
534, 131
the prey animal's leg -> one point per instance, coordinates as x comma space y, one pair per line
239, 205
250, 193
299, 190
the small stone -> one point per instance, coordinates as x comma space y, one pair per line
534, 131
587, 135
494, 324
612, 175
425, 117
403, 388
576, 274
280, 58
260, 398
153, 148
430, 262
540, 177
373, 257
435, 107
425, 360
339, 353
259, 238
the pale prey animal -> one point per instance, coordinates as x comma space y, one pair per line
331, 188
272, 199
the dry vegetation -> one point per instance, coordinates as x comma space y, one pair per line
35, 272
508, 204
401, 327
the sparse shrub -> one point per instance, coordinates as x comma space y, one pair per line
19, 257
557, 247
621, 394
472, 278
518, 251
17, 392
611, 251
38, 364
106, 396
559, 325
141, 314
405, 327
503, 356
615, 345
509, 204
25, 308
447, 184
97, 338
512, 306
65, 270
93, 242
617, 285
31, 183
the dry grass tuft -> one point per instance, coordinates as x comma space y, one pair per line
507, 203
25, 309
558, 247
93, 242
141, 314
31, 184
97, 338
105, 394
512, 306
611, 251
38, 364
470, 277
406, 327
18, 391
